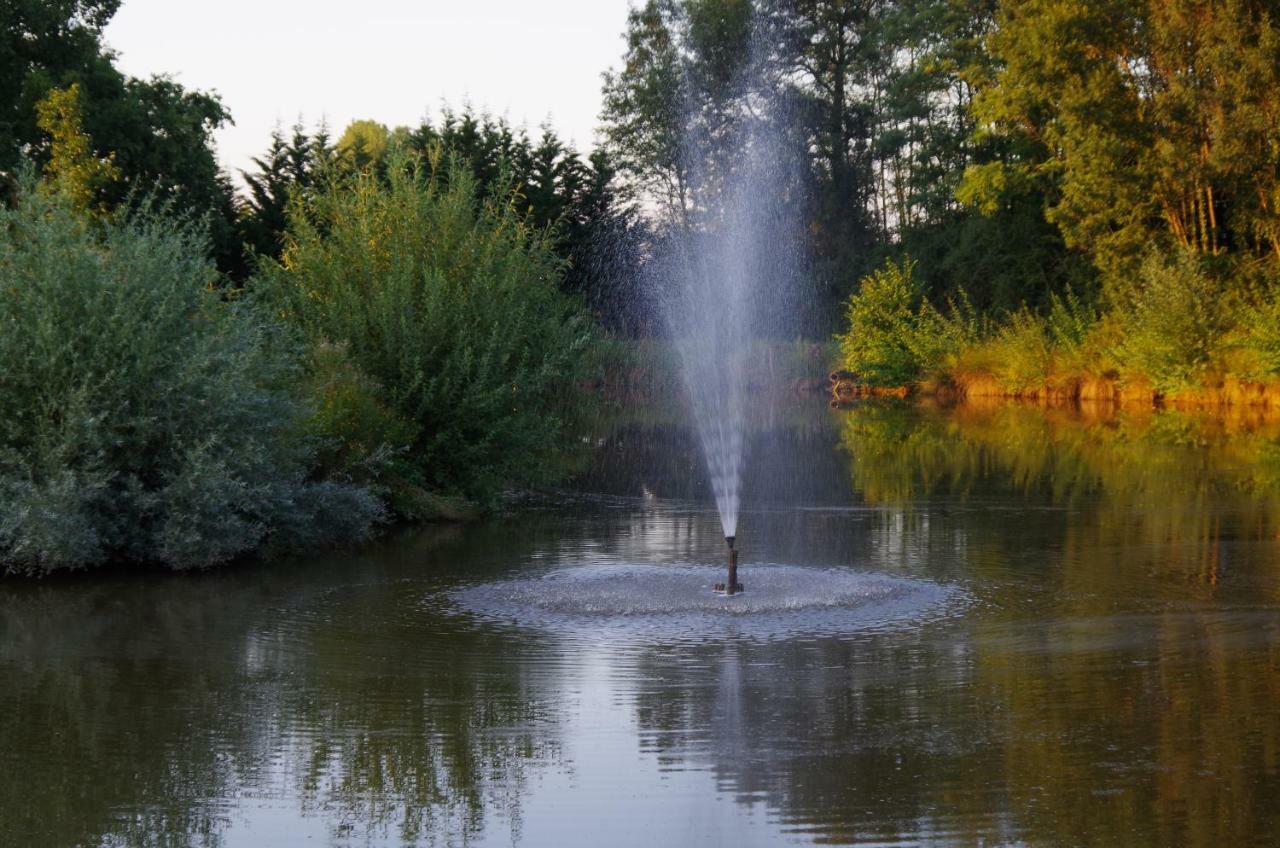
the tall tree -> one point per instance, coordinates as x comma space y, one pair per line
1148, 124
824, 55
160, 134
43, 44
265, 214
644, 107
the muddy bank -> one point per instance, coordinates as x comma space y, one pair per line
1225, 394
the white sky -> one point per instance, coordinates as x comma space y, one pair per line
394, 61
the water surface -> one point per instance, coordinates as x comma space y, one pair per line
1025, 627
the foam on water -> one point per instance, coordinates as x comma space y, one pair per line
677, 601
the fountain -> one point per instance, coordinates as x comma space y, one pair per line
725, 278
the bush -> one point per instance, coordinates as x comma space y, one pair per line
1022, 352
1175, 318
450, 306
1261, 334
895, 336
359, 436
145, 418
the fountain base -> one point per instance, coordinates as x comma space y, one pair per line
731, 586
720, 589
673, 601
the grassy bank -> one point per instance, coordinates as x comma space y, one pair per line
1178, 336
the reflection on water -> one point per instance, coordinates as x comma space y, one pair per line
1112, 679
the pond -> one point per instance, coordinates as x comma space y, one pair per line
973, 626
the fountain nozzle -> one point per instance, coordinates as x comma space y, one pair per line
731, 586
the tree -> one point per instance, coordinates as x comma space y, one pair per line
42, 43
575, 202
157, 134
642, 107
363, 144
1146, 123
265, 210
449, 305
823, 56
72, 167
287, 170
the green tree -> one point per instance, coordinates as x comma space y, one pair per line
576, 201
265, 209
827, 53
159, 134
643, 113
287, 168
1143, 122
363, 144
43, 43
72, 168
450, 306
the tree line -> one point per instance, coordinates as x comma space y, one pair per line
1047, 192
154, 138
876, 98
1019, 196
389, 327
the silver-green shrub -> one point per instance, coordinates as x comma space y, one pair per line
144, 418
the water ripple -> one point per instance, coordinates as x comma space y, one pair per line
677, 601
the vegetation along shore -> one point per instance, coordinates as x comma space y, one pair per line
1040, 200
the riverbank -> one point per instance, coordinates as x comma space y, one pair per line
1227, 394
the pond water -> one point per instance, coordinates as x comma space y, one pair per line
977, 626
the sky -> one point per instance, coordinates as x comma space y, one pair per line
395, 61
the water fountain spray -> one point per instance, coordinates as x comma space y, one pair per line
725, 273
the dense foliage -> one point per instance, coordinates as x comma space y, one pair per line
460, 345
875, 96
1031, 195
146, 419
158, 135
1146, 124
573, 199
1114, 162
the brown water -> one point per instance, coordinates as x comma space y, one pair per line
981, 627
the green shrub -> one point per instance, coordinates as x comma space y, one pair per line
451, 307
1027, 351
358, 434
880, 315
895, 335
1175, 320
145, 419
1260, 333
1069, 324
1022, 352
